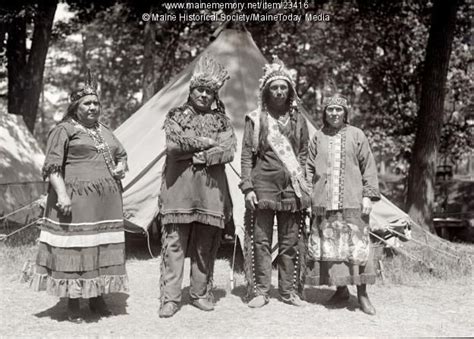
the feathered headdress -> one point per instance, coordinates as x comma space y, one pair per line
208, 73
87, 88
275, 71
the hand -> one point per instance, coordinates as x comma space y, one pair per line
119, 171
208, 142
251, 200
198, 158
366, 205
64, 204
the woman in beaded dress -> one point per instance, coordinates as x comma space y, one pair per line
341, 168
82, 243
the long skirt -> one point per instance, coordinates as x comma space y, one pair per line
82, 255
339, 250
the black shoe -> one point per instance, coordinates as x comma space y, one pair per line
366, 305
98, 305
168, 309
74, 311
203, 304
341, 295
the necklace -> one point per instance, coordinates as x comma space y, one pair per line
283, 119
95, 133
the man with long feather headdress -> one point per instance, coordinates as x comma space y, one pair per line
194, 199
273, 157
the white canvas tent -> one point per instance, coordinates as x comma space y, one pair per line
144, 139
21, 160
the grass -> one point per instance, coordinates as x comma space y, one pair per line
439, 307
397, 268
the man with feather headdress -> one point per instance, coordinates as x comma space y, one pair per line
194, 199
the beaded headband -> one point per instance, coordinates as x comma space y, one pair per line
336, 100
208, 73
86, 89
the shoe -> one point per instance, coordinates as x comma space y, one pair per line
258, 301
341, 295
293, 299
366, 305
74, 311
203, 304
98, 305
168, 310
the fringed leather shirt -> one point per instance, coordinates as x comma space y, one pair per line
196, 192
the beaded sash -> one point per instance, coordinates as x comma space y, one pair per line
284, 151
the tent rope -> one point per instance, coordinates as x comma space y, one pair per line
34, 202
3, 237
408, 255
149, 245
423, 244
235, 171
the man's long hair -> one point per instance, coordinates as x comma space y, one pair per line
262, 138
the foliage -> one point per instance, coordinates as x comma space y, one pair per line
370, 51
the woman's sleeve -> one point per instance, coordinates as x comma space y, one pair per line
310, 169
120, 153
368, 169
224, 151
246, 160
56, 150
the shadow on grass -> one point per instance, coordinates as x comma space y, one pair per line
320, 296
117, 303
218, 293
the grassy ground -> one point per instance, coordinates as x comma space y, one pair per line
419, 303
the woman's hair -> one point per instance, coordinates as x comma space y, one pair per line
72, 109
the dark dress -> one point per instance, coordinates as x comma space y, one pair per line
82, 255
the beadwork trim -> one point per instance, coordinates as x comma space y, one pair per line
95, 133
252, 242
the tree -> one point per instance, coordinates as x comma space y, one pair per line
420, 199
25, 67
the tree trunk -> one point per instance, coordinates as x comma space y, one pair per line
43, 24
148, 81
16, 63
421, 178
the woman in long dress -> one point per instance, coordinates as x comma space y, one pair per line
341, 168
82, 244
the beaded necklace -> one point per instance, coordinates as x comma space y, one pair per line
95, 133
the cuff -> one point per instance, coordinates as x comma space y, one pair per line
246, 186
51, 168
371, 192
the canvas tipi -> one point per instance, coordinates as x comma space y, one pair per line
21, 160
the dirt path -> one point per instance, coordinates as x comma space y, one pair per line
425, 309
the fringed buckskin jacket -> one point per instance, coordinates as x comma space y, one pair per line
265, 174
341, 170
196, 192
